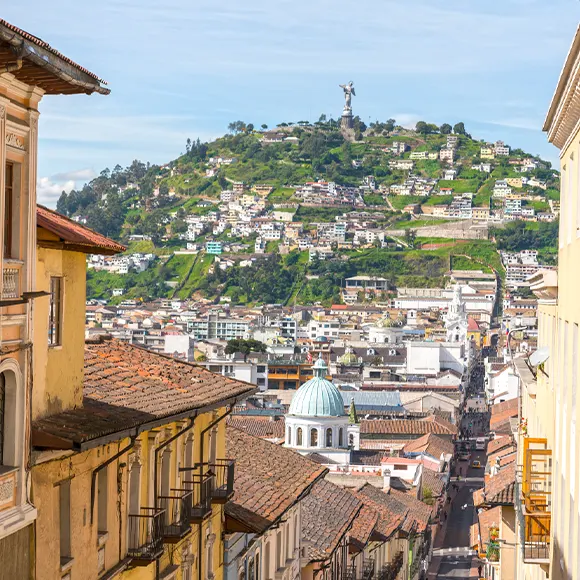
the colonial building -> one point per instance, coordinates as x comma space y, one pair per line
317, 422
29, 69
129, 471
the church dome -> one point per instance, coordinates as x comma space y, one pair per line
348, 358
317, 397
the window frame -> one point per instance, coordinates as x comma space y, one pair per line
8, 242
55, 311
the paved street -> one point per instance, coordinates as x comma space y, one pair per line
454, 558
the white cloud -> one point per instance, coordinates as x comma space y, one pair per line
48, 191
76, 175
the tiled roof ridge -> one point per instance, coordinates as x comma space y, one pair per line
43, 44
48, 219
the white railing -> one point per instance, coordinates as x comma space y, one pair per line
10, 281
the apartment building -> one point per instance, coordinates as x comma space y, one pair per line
219, 327
548, 498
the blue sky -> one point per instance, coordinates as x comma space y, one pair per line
180, 69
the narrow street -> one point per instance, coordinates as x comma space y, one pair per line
452, 556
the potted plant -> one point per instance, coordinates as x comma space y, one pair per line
494, 533
492, 552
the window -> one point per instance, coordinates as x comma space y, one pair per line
267, 561
279, 550
261, 369
340, 438
289, 436
64, 512
55, 314
351, 440
313, 437
257, 566
329, 437
8, 210
2, 412
299, 436
251, 569
102, 495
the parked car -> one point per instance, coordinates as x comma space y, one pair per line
476, 464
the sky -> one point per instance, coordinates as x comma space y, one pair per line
180, 69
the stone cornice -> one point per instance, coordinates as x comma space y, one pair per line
564, 113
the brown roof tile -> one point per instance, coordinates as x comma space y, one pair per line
391, 512
430, 444
500, 488
363, 526
419, 512
480, 529
74, 235
282, 479
404, 426
259, 426
126, 386
432, 480
328, 513
499, 443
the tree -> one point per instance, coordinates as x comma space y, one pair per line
61, 204
250, 128
322, 118
264, 126
390, 125
445, 129
188, 146
410, 236
244, 346
422, 127
459, 128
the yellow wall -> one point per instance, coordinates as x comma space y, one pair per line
58, 370
78, 468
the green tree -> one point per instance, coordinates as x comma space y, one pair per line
244, 346
62, 204
459, 128
445, 129
422, 128
264, 126
390, 125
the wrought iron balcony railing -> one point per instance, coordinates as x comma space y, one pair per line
201, 487
145, 535
223, 471
392, 569
177, 517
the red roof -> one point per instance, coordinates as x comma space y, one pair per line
472, 325
79, 238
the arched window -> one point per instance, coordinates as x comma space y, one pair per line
313, 437
340, 440
351, 440
299, 436
11, 419
329, 437
289, 436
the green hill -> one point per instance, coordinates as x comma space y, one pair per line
153, 202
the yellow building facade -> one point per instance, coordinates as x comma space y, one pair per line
29, 70
549, 498
129, 473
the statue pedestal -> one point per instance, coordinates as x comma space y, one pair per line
346, 122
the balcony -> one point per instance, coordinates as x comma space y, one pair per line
536, 501
223, 472
145, 542
201, 487
392, 569
11, 279
177, 514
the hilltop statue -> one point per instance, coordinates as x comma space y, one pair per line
348, 94
347, 123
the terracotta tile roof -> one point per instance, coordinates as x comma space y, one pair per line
498, 443
363, 526
265, 489
506, 451
430, 444
432, 480
259, 426
500, 488
419, 512
404, 426
472, 324
77, 236
509, 406
321, 459
391, 512
327, 515
126, 386
479, 532
439, 420
10, 33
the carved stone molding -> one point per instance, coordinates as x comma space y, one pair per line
2, 112
16, 141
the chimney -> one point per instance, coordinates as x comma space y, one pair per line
386, 481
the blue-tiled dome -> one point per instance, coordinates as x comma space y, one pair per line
318, 397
